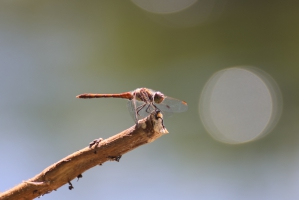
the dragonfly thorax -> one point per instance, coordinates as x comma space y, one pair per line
144, 95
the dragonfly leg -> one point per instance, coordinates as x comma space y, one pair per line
140, 108
149, 106
156, 108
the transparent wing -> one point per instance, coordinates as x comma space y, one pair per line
172, 105
145, 110
131, 107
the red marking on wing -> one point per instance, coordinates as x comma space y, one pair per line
184, 102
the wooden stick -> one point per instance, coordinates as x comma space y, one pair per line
72, 166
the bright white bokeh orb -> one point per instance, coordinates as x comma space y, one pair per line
240, 104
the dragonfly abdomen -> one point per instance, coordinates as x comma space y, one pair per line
125, 95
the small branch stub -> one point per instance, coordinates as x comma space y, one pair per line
147, 130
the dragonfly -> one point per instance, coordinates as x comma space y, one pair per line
144, 101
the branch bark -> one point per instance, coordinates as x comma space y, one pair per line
147, 130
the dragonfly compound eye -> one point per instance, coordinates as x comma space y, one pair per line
158, 97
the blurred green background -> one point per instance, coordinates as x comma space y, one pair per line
51, 51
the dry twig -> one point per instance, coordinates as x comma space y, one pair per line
72, 166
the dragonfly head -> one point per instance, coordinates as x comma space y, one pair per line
158, 97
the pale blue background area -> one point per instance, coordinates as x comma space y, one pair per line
51, 51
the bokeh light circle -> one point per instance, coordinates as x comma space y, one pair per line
240, 104
164, 6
